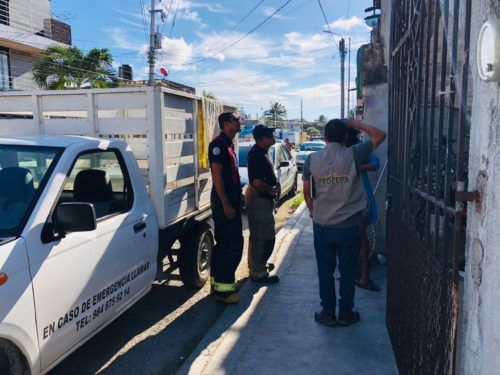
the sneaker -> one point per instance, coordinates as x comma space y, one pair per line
350, 318
267, 279
228, 298
325, 318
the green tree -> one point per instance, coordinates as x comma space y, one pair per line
61, 67
312, 131
276, 115
208, 94
322, 119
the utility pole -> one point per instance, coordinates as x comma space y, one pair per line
342, 74
301, 121
154, 42
349, 81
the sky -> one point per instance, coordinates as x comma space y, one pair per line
223, 46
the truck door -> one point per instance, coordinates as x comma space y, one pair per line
82, 281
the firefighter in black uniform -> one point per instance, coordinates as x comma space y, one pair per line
226, 210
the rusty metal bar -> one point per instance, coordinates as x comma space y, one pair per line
437, 202
432, 181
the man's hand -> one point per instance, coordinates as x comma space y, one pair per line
377, 136
229, 211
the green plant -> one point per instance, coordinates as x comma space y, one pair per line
276, 115
61, 67
297, 201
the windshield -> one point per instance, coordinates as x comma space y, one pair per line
23, 171
243, 155
312, 147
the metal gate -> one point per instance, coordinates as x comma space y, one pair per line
429, 122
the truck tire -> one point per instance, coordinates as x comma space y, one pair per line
194, 256
12, 361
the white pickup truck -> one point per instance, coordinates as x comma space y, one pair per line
84, 221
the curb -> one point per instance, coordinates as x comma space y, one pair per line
251, 295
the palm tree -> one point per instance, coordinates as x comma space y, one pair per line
61, 67
208, 94
322, 119
276, 115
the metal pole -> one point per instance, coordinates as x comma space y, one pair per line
349, 81
151, 55
301, 122
342, 73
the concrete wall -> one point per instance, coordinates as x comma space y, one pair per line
29, 15
376, 98
481, 342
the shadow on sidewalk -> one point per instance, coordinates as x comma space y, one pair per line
272, 330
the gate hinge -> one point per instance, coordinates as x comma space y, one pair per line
468, 196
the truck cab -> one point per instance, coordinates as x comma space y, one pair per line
78, 244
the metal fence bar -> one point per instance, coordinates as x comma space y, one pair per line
427, 166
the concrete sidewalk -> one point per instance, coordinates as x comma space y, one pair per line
272, 329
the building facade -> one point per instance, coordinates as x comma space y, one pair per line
26, 28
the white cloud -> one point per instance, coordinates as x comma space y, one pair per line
121, 40
268, 10
175, 54
347, 24
250, 47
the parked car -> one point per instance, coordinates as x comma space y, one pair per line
284, 164
305, 149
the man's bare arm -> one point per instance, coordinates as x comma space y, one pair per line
218, 182
307, 196
377, 136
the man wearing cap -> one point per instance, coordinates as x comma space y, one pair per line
259, 203
226, 210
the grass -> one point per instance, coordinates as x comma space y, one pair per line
297, 200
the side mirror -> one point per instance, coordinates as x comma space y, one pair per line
284, 164
75, 217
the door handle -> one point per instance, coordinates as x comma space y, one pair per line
139, 226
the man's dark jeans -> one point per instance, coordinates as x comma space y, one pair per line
328, 244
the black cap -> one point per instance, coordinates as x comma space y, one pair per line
261, 131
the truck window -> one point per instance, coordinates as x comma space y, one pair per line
23, 172
99, 178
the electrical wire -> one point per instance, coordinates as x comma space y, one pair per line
237, 24
173, 21
328, 24
143, 17
244, 36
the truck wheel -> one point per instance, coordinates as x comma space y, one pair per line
12, 362
195, 255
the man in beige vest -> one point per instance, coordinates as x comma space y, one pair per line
336, 200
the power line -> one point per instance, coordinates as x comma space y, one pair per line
175, 16
143, 17
327, 23
239, 23
166, 18
244, 36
